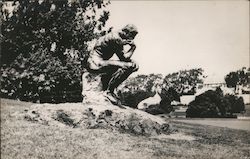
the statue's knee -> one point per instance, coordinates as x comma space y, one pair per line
135, 67
95, 65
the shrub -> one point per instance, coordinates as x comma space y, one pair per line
133, 99
213, 104
42, 77
236, 104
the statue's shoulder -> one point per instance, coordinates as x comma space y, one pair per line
112, 36
108, 37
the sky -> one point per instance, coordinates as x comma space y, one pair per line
177, 35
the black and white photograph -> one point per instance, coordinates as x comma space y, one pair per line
125, 79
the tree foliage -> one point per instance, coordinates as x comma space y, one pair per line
37, 24
141, 87
239, 77
44, 46
42, 77
186, 81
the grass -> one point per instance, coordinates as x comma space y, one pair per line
23, 139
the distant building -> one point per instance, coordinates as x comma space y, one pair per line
214, 85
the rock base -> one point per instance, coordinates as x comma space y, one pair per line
92, 89
97, 116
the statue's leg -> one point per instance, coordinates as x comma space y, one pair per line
118, 77
111, 81
107, 76
113, 74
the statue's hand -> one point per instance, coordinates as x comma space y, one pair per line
135, 65
129, 42
132, 65
132, 45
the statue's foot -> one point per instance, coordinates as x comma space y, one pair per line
113, 98
119, 104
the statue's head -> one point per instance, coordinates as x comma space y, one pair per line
129, 32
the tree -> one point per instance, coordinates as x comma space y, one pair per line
52, 25
185, 81
239, 77
138, 88
45, 43
172, 86
232, 79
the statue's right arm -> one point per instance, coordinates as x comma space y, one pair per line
120, 64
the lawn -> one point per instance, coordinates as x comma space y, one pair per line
24, 139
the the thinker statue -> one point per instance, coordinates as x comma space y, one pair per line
113, 72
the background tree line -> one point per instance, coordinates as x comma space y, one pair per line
138, 88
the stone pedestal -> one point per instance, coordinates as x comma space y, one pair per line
92, 89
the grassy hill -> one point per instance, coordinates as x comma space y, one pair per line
23, 139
